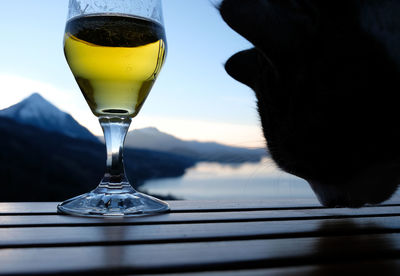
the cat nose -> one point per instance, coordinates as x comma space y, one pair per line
372, 185
243, 67
250, 67
330, 195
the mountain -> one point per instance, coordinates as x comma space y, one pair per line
40, 162
152, 138
38, 112
45, 155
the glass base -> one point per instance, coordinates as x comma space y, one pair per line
104, 202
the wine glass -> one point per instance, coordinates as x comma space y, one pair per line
115, 50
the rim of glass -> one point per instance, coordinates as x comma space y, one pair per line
75, 10
116, 14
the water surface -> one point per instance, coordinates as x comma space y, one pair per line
206, 180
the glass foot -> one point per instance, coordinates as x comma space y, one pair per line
106, 203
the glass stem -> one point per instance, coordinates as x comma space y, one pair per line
115, 129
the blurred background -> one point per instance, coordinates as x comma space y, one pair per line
198, 135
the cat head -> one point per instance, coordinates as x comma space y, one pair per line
326, 77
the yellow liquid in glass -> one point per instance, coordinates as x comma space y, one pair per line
115, 60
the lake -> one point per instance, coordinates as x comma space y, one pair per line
206, 180
212, 181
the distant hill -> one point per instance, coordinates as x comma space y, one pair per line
153, 139
38, 112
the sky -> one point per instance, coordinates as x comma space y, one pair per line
193, 97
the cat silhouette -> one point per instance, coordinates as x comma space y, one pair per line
326, 78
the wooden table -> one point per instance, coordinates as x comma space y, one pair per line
204, 238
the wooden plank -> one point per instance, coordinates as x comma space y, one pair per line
170, 233
9, 208
198, 217
176, 205
34, 208
228, 205
191, 257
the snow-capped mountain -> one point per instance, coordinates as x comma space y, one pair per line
38, 112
